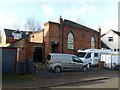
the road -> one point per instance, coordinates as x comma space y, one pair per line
107, 83
53, 80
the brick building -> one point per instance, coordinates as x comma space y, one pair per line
66, 36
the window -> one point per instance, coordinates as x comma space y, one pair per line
70, 41
96, 54
48, 57
76, 59
81, 54
92, 42
110, 39
17, 35
88, 55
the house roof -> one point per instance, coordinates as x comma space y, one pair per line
103, 45
118, 33
9, 33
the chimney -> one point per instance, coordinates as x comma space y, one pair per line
99, 30
60, 20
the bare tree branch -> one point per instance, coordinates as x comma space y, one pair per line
32, 24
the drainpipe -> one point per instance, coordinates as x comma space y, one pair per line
99, 37
62, 38
62, 28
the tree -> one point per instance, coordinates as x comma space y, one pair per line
32, 24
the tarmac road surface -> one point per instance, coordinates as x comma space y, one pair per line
49, 79
105, 83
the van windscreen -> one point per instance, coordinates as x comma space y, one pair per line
81, 54
48, 57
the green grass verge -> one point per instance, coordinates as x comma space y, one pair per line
16, 76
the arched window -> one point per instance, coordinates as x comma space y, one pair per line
92, 42
70, 41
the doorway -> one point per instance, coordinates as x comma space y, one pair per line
37, 54
54, 47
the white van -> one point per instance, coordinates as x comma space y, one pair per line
59, 62
91, 56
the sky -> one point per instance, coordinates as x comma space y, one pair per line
90, 13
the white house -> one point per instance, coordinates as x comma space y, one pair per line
112, 39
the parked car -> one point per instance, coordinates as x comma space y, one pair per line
59, 62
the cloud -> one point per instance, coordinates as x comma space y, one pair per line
48, 10
112, 24
81, 12
60, 1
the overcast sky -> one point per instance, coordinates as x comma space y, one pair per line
89, 13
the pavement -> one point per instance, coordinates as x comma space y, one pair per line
46, 79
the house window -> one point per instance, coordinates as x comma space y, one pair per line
92, 42
70, 41
110, 39
17, 35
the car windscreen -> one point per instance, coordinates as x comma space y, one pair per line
81, 54
48, 57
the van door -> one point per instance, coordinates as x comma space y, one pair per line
88, 58
77, 63
66, 62
95, 58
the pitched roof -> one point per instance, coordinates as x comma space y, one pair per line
103, 45
9, 33
74, 24
118, 33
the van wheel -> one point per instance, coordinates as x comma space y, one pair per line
57, 69
85, 69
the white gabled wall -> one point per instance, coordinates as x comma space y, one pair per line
113, 44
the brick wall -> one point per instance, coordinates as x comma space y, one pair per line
37, 37
55, 34
79, 41
30, 49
